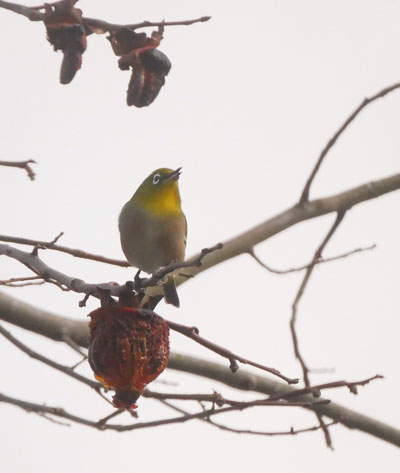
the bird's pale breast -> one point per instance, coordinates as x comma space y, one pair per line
150, 241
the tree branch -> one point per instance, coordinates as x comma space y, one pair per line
300, 292
43, 359
306, 266
56, 327
304, 367
332, 141
21, 165
102, 425
251, 432
298, 213
110, 27
193, 333
32, 261
70, 251
29, 13
244, 242
99, 26
102, 291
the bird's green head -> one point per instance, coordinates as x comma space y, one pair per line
159, 192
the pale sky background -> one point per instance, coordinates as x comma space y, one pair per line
251, 99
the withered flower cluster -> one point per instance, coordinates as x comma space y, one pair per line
149, 66
67, 31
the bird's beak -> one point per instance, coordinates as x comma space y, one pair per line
174, 176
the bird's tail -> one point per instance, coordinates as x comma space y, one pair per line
170, 294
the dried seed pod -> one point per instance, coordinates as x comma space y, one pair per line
149, 66
66, 33
128, 349
125, 40
148, 76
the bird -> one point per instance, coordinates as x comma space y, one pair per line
153, 227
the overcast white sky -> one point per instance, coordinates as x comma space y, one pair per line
252, 97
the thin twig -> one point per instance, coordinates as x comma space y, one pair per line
195, 262
21, 164
214, 398
51, 245
60, 412
53, 364
332, 141
193, 333
325, 430
251, 432
55, 239
316, 389
73, 345
54, 326
219, 400
317, 256
29, 13
34, 14
54, 421
115, 413
104, 26
102, 291
306, 266
22, 282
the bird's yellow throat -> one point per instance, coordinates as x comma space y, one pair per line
162, 201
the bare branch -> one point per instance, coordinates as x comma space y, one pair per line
21, 165
325, 430
296, 214
33, 262
104, 26
55, 327
251, 432
241, 244
382, 93
194, 262
316, 390
290, 217
99, 26
306, 266
51, 245
29, 13
74, 346
215, 398
53, 364
102, 424
193, 333
102, 291
54, 421
219, 400
56, 238
22, 282
317, 256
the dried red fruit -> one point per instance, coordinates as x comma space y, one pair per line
149, 65
128, 349
66, 32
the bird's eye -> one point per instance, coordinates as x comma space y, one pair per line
156, 179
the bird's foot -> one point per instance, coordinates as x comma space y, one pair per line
138, 281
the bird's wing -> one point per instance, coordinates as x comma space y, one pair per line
186, 228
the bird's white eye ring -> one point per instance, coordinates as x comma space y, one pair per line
156, 179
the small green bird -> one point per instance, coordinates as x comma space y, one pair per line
153, 227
